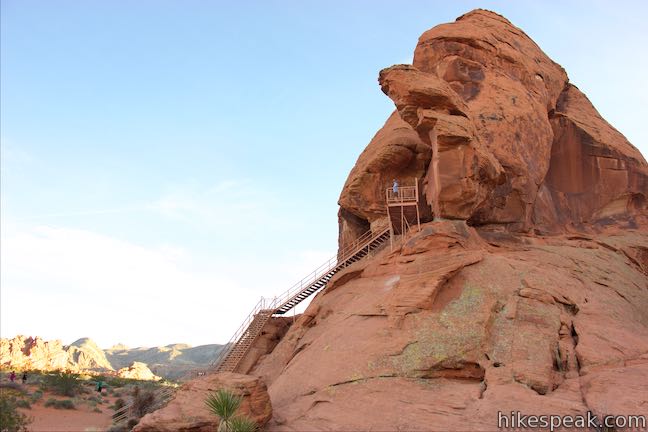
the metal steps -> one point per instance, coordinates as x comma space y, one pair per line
162, 397
239, 345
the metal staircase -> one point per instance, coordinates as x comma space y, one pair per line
161, 397
238, 346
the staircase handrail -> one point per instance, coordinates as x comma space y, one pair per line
273, 304
162, 395
239, 332
347, 252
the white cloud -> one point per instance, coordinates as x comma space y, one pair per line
68, 283
227, 204
64, 283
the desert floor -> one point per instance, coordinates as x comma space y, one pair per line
89, 415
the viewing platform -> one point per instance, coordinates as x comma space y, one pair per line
403, 208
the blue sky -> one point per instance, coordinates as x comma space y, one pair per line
166, 163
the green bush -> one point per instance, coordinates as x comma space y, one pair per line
64, 384
113, 381
60, 404
36, 396
119, 404
23, 403
95, 399
143, 401
11, 419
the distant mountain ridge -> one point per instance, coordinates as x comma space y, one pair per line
170, 361
84, 355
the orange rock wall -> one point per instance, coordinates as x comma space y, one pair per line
498, 136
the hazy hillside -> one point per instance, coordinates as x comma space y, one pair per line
85, 351
171, 361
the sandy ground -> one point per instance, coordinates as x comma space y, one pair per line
81, 419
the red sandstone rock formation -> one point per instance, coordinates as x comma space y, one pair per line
458, 324
35, 353
530, 295
516, 144
188, 412
138, 371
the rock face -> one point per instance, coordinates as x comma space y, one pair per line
35, 353
171, 361
460, 323
138, 371
529, 292
272, 332
188, 412
498, 135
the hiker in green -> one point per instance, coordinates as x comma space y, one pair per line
100, 386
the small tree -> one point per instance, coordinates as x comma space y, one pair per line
224, 404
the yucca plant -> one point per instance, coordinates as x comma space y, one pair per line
223, 404
242, 424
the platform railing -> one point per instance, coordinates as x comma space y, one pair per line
404, 194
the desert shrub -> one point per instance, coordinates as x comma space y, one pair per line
119, 404
95, 400
64, 384
97, 410
113, 381
13, 389
23, 403
143, 401
66, 404
11, 419
36, 396
121, 427
60, 404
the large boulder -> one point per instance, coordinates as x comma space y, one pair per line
187, 412
138, 371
